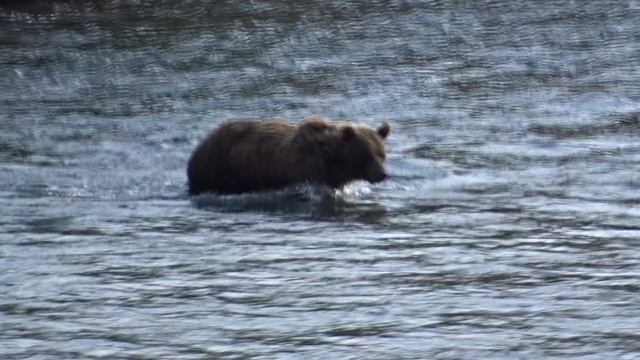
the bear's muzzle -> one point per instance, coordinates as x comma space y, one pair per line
376, 173
378, 178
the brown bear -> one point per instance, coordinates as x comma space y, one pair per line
250, 155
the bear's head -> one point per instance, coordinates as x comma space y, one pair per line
348, 151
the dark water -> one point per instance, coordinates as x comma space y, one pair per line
509, 228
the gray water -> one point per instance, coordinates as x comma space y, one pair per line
508, 230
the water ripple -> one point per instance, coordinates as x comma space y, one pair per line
507, 228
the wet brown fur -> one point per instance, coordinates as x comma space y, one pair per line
250, 155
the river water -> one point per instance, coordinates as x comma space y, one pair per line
508, 229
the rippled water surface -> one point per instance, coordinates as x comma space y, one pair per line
509, 227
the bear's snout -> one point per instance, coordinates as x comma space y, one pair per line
379, 177
376, 173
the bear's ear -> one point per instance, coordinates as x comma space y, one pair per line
383, 130
348, 132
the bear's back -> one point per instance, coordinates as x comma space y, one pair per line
240, 155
